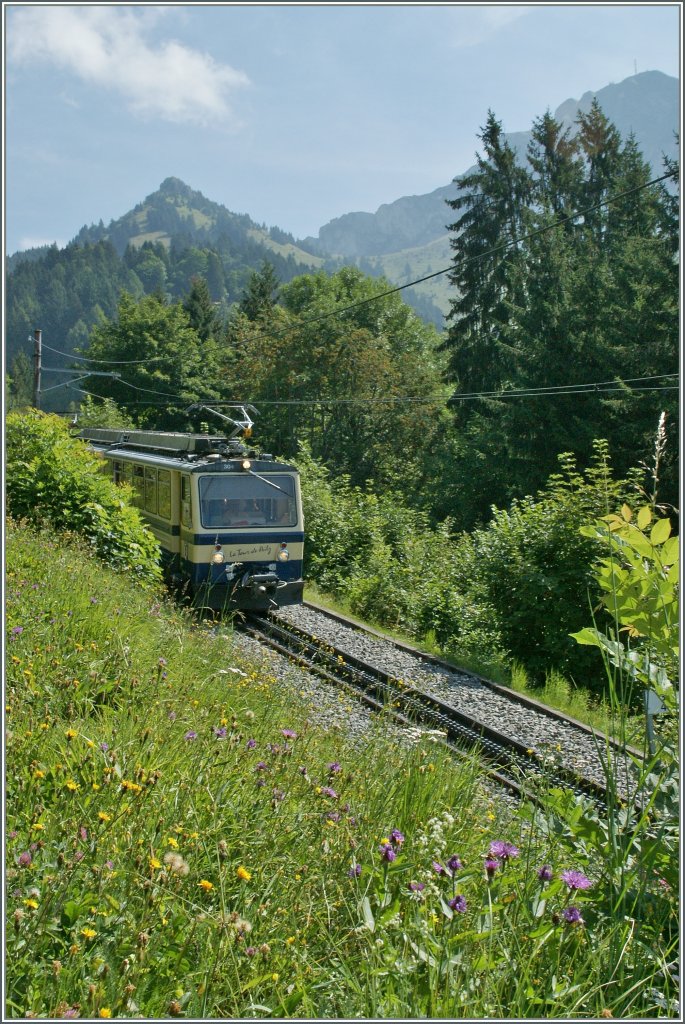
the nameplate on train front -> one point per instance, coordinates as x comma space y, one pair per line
241, 551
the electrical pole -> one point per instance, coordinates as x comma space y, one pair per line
37, 346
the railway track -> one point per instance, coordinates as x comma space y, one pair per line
511, 762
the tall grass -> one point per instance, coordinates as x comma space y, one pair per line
183, 841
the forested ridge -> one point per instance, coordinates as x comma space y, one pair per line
563, 328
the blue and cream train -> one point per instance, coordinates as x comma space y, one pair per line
229, 522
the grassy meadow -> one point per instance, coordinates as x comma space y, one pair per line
182, 841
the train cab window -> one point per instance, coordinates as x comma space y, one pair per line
234, 502
138, 486
186, 517
151, 490
164, 493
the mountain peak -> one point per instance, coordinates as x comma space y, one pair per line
175, 187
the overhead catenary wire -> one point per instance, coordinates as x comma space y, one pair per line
471, 259
591, 388
566, 218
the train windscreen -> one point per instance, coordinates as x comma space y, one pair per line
236, 501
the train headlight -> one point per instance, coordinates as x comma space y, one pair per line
283, 554
218, 556
246, 464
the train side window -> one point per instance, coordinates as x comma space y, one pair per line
138, 486
164, 493
118, 472
128, 473
151, 490
186, 517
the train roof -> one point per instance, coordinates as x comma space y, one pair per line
191, 451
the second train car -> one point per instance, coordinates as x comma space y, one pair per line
229, 522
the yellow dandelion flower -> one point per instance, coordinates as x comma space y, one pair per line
96, 785
88, 933
204, 884
154, 863
71, 734
289, 941
104, 1011
44, 725
104, 816
275, 977
38, 827
172, 842
38, 774
71, 785
243, 873
31, 903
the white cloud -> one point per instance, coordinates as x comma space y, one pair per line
106, 47
474, 25
33, 242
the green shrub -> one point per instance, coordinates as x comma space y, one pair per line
53, 478
533, 567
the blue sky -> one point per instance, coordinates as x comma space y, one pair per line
293, 114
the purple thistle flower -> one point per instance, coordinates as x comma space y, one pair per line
220, 733
83, 832
454, 864
417, 886
109, 864
93, 600
502, 850
572, 915
79, 855
273, 748
576, 880
438, 868
261, 766
289, 734
70, 1013
24, 859
251, 744
491, 867
458, 904
190, 735
327, 791
545, 873
104, 747
387, 852
17, 631
250, 951
333, 816
355, 871
396, 837
334, 767
162, 662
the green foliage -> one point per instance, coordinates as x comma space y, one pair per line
639, 584
52, 478
170, 852
546, 304
532, 566
389, 565
94, 412
345, 385
170, 367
